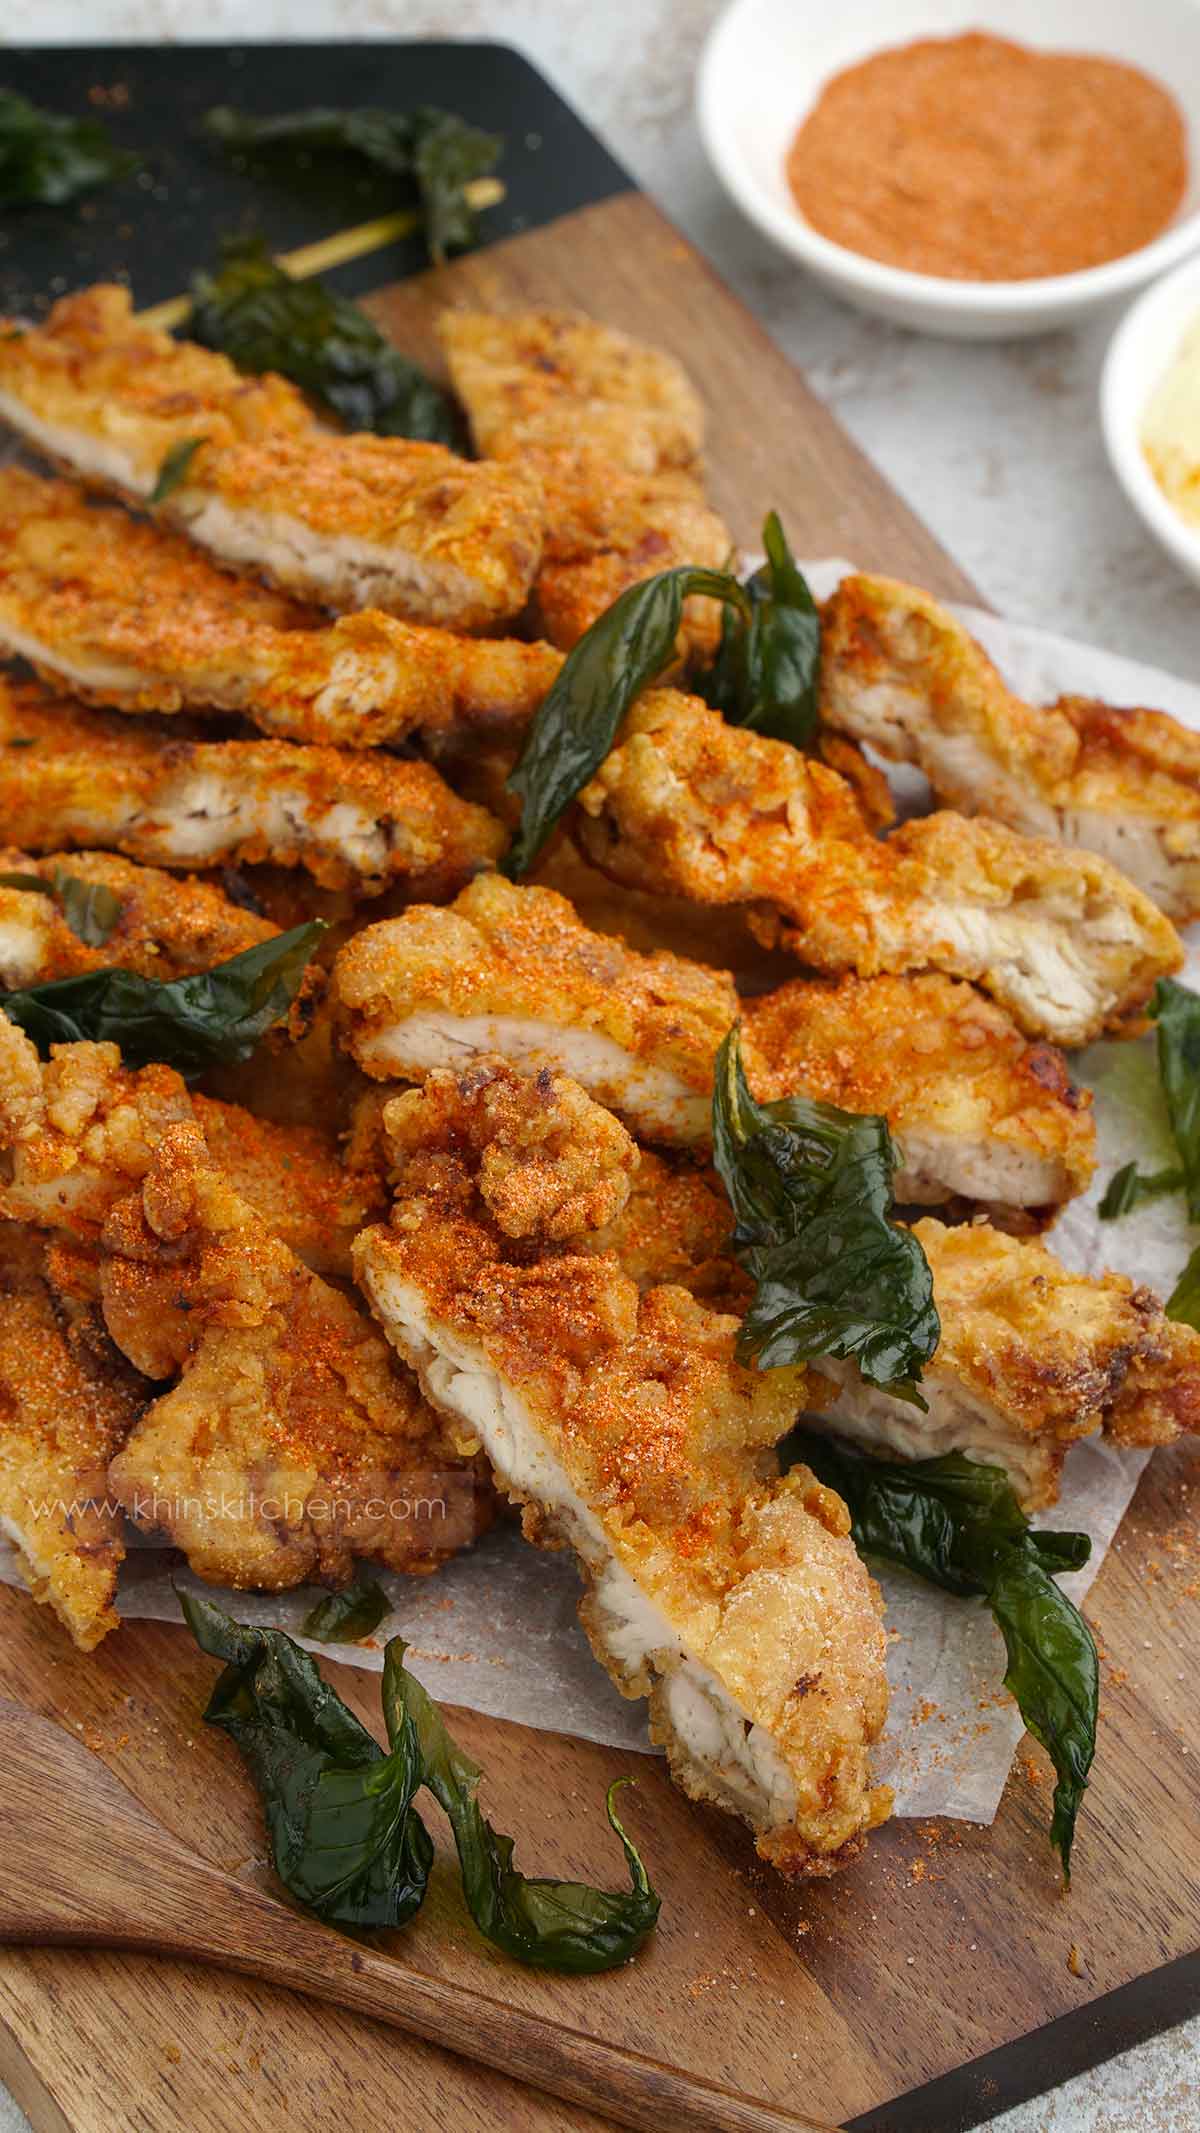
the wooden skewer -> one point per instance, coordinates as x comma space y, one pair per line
334, 251
85, 1864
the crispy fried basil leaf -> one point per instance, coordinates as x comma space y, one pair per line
1183, 1303
47, 160
344, 1837
959, 1525
436, 153
578, 720
174, 468
191, 1023
551, 1925
263, 320
811, 1187
1130, 1187
91, 908
1176, 1013
767, 669
346, 1617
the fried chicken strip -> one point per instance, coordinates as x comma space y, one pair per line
900, 672
349, 521
292, 1444
78, 1131
164, 927
67, 1403
74, 777
129, 614
978, 1112
687, 805
1031, 1358
624, 1426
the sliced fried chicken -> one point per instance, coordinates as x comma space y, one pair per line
292, 1444
688, 805
625, 1427
348, 521
67, 1403
144, 920
129, 614
1031, 1358
901, 673
70, 776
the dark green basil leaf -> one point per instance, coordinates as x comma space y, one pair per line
174, 468
1176, 1013
345, 1617
47, 160
578, 720
1054, 1675
435, 152
766, 674
1130, 1187
91, 908
343, 1834
29, 884
191, 1023
959, 1525
551, 1925
253, 312
811, 1187
1183, 1303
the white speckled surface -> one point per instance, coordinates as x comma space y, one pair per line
997, 448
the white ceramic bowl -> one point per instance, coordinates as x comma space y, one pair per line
766, 61
1140, 353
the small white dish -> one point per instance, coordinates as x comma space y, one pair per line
766, 62
1140, 354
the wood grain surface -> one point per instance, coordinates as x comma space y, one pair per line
945, 1943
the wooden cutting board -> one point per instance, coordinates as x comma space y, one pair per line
944, 1977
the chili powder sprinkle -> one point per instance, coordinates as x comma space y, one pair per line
981, 160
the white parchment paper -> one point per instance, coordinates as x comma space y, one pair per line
496, 1629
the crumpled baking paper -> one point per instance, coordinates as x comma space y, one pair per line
497, 1630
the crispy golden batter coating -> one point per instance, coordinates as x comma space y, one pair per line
676, 1228
129, 614
626, 1428
166, 928
78, 1130
900, 672
292, 1444
546, 380
688, 805
977, 1112
1031, 1358
512, 970
70, 776
67, 1403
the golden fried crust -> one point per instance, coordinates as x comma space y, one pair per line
1032, 1357
686, 804
977, 1111
132, 615
165, 928
292, 1443
66, 1405
653, 1449
295, 1177
555, 379
70, 776
512, 967
900, 672
676, 1229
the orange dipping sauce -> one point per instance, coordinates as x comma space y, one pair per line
982, 160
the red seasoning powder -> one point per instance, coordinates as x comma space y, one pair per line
981, 160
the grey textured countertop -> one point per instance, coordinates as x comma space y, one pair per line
997, 448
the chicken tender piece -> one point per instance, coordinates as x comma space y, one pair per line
70, 776
977, 1113
164, 927
900, 672
676, 1228
512, 970
129, 614
623, 1424
292, 1444
66, 1405
1031, 1358
688, 805
349, 521
548, 380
